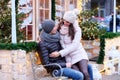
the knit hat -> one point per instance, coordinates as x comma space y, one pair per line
48, 25
70, 16
76, 11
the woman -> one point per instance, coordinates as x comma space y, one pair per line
73, 50
49, 43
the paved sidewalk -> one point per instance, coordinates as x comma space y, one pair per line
111, 77
104, 76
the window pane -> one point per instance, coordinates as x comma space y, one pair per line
46, 14
71, 6
42, 3
30, 4
63, 3
46, 3
26, 7
28, 32
41, 15
71, 1
75, 3
101, 13
29, 36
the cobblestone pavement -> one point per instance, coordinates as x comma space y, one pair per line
111, 77
107, 77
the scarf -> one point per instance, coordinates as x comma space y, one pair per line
50, 37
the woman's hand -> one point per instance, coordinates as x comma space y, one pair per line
68, 65
54, 54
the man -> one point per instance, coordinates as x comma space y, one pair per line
111, 23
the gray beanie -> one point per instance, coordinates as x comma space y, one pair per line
48, 25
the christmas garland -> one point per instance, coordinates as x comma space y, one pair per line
27, 46
53, 10
108, 35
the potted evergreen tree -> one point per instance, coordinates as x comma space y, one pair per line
90, 30
5, 23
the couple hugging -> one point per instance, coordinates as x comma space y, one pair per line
61, 44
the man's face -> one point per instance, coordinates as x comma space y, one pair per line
54, 30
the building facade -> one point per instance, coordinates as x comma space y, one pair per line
105, 7
38, 10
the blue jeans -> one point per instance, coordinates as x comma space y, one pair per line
71, 73
90, 71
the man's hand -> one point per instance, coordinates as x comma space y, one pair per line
54, 54
68, 65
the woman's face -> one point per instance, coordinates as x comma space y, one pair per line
54, 30
66, 23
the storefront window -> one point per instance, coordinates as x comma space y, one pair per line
42, 3
60, 9
44, 10
46, 3
26, 7
41, 15
73, 4
46, 14
35, 12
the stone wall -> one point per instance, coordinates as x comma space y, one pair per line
91, 47
12, 65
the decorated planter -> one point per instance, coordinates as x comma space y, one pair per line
107, 41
